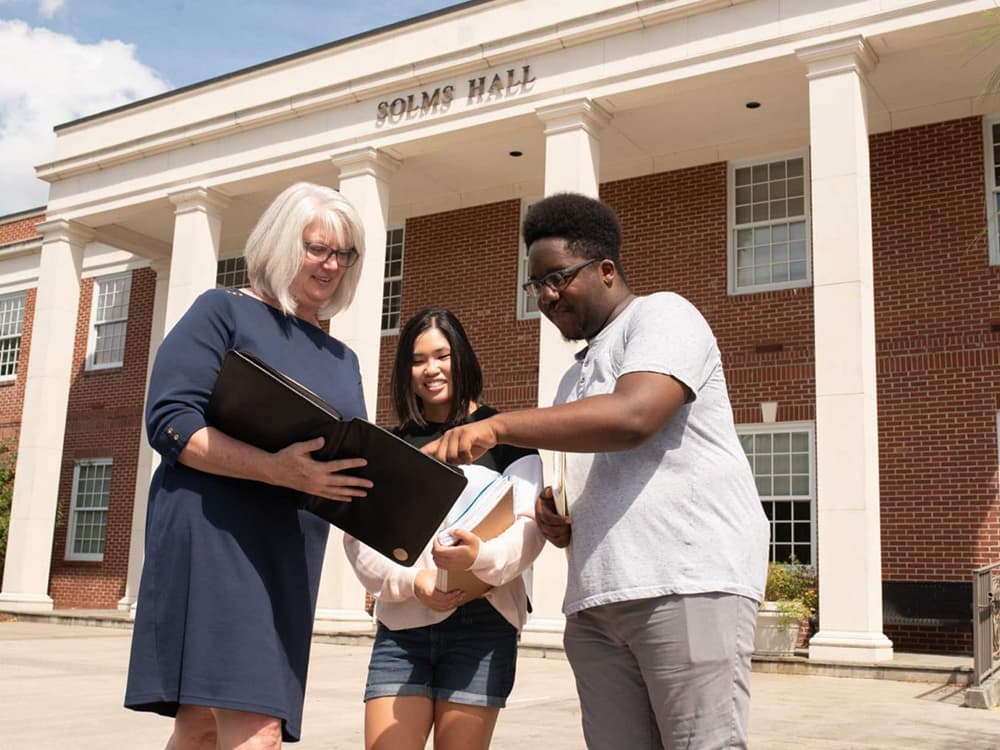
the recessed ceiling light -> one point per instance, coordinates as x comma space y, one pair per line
753, 105
516, 153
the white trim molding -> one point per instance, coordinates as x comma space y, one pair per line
991, 172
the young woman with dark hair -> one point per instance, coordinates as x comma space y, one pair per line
462, 366
440, 660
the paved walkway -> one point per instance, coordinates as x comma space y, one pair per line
61, 689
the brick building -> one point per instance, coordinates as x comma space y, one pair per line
823, 183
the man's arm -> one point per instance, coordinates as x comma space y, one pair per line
639, 407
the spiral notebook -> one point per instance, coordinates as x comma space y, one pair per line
412, 492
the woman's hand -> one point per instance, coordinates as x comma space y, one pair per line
554, 527
295, 467
460, 555
430, 596
213, 451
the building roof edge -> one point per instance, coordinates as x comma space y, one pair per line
275, 62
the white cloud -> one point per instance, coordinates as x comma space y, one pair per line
48, 8
52, 78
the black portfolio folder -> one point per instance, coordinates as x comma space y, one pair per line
412, 492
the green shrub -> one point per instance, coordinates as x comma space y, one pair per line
793, 588
8, 459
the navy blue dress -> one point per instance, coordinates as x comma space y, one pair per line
231, 573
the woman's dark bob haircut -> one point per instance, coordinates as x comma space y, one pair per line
466, 375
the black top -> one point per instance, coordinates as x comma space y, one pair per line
498, 458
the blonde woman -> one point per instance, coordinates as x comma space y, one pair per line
229, 582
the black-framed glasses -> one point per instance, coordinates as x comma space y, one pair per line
554, 280
321, 253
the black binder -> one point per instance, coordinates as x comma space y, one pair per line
412, 492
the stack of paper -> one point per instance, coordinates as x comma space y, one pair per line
484, 490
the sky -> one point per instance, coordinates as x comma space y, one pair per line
65, 59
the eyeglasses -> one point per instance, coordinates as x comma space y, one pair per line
554, 280
321, 253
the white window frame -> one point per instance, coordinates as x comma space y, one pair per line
222, 270
22, 298
71, 534
731, 225
992, 189
92, 338
387, 279
525, 303
810, 429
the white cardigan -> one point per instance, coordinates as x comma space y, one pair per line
501, 562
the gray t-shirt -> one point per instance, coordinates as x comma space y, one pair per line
680, 513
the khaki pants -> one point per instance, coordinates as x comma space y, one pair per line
664, 673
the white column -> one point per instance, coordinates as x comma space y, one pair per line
572, 164
148, 458
364, 181
190, 270
194, 256
43, 418
847, 470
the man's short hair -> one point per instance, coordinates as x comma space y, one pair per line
590, 227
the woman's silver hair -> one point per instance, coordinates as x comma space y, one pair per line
274, 252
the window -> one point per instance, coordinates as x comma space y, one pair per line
392, 284
527, 306
89, 509
991, 137
782, 460
109, 320
11, 326
769, 225
231, 273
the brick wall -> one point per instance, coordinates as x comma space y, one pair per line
22, 228
938, 375
104, 420
466, 261
674, 226
931, 639
675, 238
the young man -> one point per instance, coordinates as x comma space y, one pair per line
667, 540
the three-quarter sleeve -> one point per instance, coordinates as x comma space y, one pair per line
184, 371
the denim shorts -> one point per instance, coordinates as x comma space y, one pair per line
468, 658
